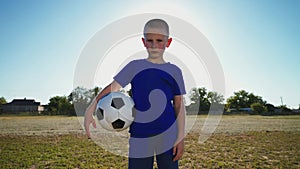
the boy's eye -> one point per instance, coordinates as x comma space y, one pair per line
149, 40
159, 40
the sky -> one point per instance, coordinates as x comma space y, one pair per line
257, 42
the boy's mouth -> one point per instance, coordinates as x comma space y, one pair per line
154, 50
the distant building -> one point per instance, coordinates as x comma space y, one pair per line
246, 109
22, 105
296, 111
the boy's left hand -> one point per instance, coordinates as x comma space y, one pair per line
178, 150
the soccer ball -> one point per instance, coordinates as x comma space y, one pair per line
115, 111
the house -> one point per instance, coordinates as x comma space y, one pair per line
246, 109
22, 105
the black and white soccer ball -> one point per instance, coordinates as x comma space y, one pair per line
115, 111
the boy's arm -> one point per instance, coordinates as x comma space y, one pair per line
88, 118
180, 113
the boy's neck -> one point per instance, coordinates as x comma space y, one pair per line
156, 60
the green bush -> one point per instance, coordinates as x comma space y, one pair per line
258, 108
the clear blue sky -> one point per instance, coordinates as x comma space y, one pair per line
257, 42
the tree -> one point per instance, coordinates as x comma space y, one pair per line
81, 98
60, 105
198, 96
96, 90
2, 100
284, 108
258, 108
270, 107
214, 97
243, 99
203, 99
204, 102
194, 95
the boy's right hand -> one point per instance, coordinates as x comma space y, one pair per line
88, 119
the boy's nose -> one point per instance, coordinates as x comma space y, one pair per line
154, 45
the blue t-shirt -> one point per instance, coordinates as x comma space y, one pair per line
153, 89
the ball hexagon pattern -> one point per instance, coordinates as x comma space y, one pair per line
115, 111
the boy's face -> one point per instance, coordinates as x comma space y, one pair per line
156, 44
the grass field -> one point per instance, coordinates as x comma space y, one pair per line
239, 142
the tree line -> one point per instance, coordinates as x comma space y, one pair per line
242, 102
73, 104
201, 100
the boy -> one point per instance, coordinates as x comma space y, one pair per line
157, 89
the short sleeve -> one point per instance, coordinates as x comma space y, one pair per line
180, 87
125, 75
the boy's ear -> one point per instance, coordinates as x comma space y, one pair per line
144, 42
169, 42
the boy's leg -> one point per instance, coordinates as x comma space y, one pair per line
141, 153
141, 163
164, 149
165, 160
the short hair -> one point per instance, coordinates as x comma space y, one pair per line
155, 26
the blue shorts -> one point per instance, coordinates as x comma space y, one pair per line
143, 150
